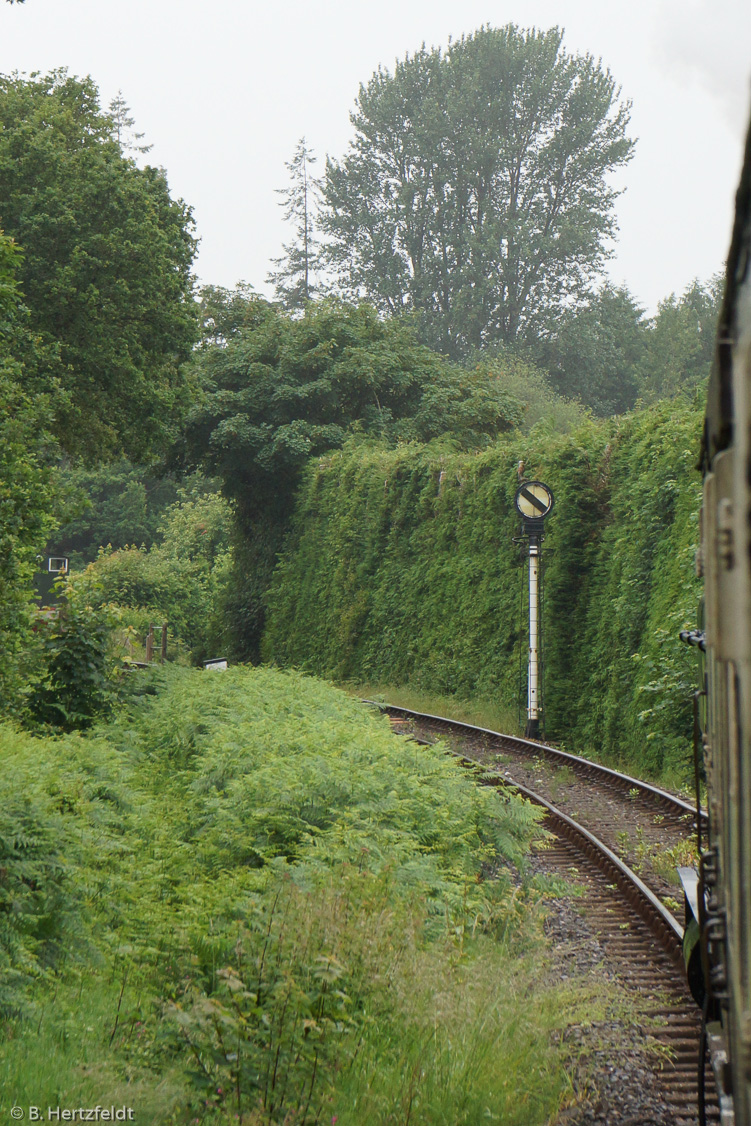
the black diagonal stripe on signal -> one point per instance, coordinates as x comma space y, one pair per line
540, 505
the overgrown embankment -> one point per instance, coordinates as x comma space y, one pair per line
247, 900
401, 569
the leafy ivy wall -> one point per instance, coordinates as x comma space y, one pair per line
401, 569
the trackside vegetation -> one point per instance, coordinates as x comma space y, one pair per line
401, 569
238, 897
246, 899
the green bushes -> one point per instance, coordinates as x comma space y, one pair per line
273, 908
181, 581
401, 569
61, 805
75, 684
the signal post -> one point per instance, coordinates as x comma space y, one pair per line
533, 502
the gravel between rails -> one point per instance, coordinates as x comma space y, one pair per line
612, 1070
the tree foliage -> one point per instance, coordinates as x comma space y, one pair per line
117, 504
476, 189
10, 261
597, 351
105, 269
542, 407
608, 355
225, 313
27, 495
282, 390
680, 342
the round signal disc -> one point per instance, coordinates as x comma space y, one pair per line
534, 500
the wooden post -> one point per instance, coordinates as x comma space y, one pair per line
150, 645
164, 643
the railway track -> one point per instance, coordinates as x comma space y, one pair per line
611, 824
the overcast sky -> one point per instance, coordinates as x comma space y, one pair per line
223, 90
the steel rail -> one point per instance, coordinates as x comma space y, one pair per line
643, 901
582, 766
639, 898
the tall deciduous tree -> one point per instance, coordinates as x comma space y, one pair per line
596, 350
680, 342
106, 267
27, 499
293, 280
476, 189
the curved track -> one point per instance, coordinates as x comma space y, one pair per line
584, 768
637, 932
652, 831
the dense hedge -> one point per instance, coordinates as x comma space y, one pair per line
401, 568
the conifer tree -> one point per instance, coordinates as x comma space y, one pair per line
122, 126
293, 279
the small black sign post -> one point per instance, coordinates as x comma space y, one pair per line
533, 502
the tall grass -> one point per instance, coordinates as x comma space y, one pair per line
65, 1054
496, 715
265, 908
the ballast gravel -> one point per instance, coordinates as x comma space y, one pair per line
604, 1092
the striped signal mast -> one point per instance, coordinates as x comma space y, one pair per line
533, 502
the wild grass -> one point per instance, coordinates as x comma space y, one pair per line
251, 903
495, 715
472, 1050
65, 1054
